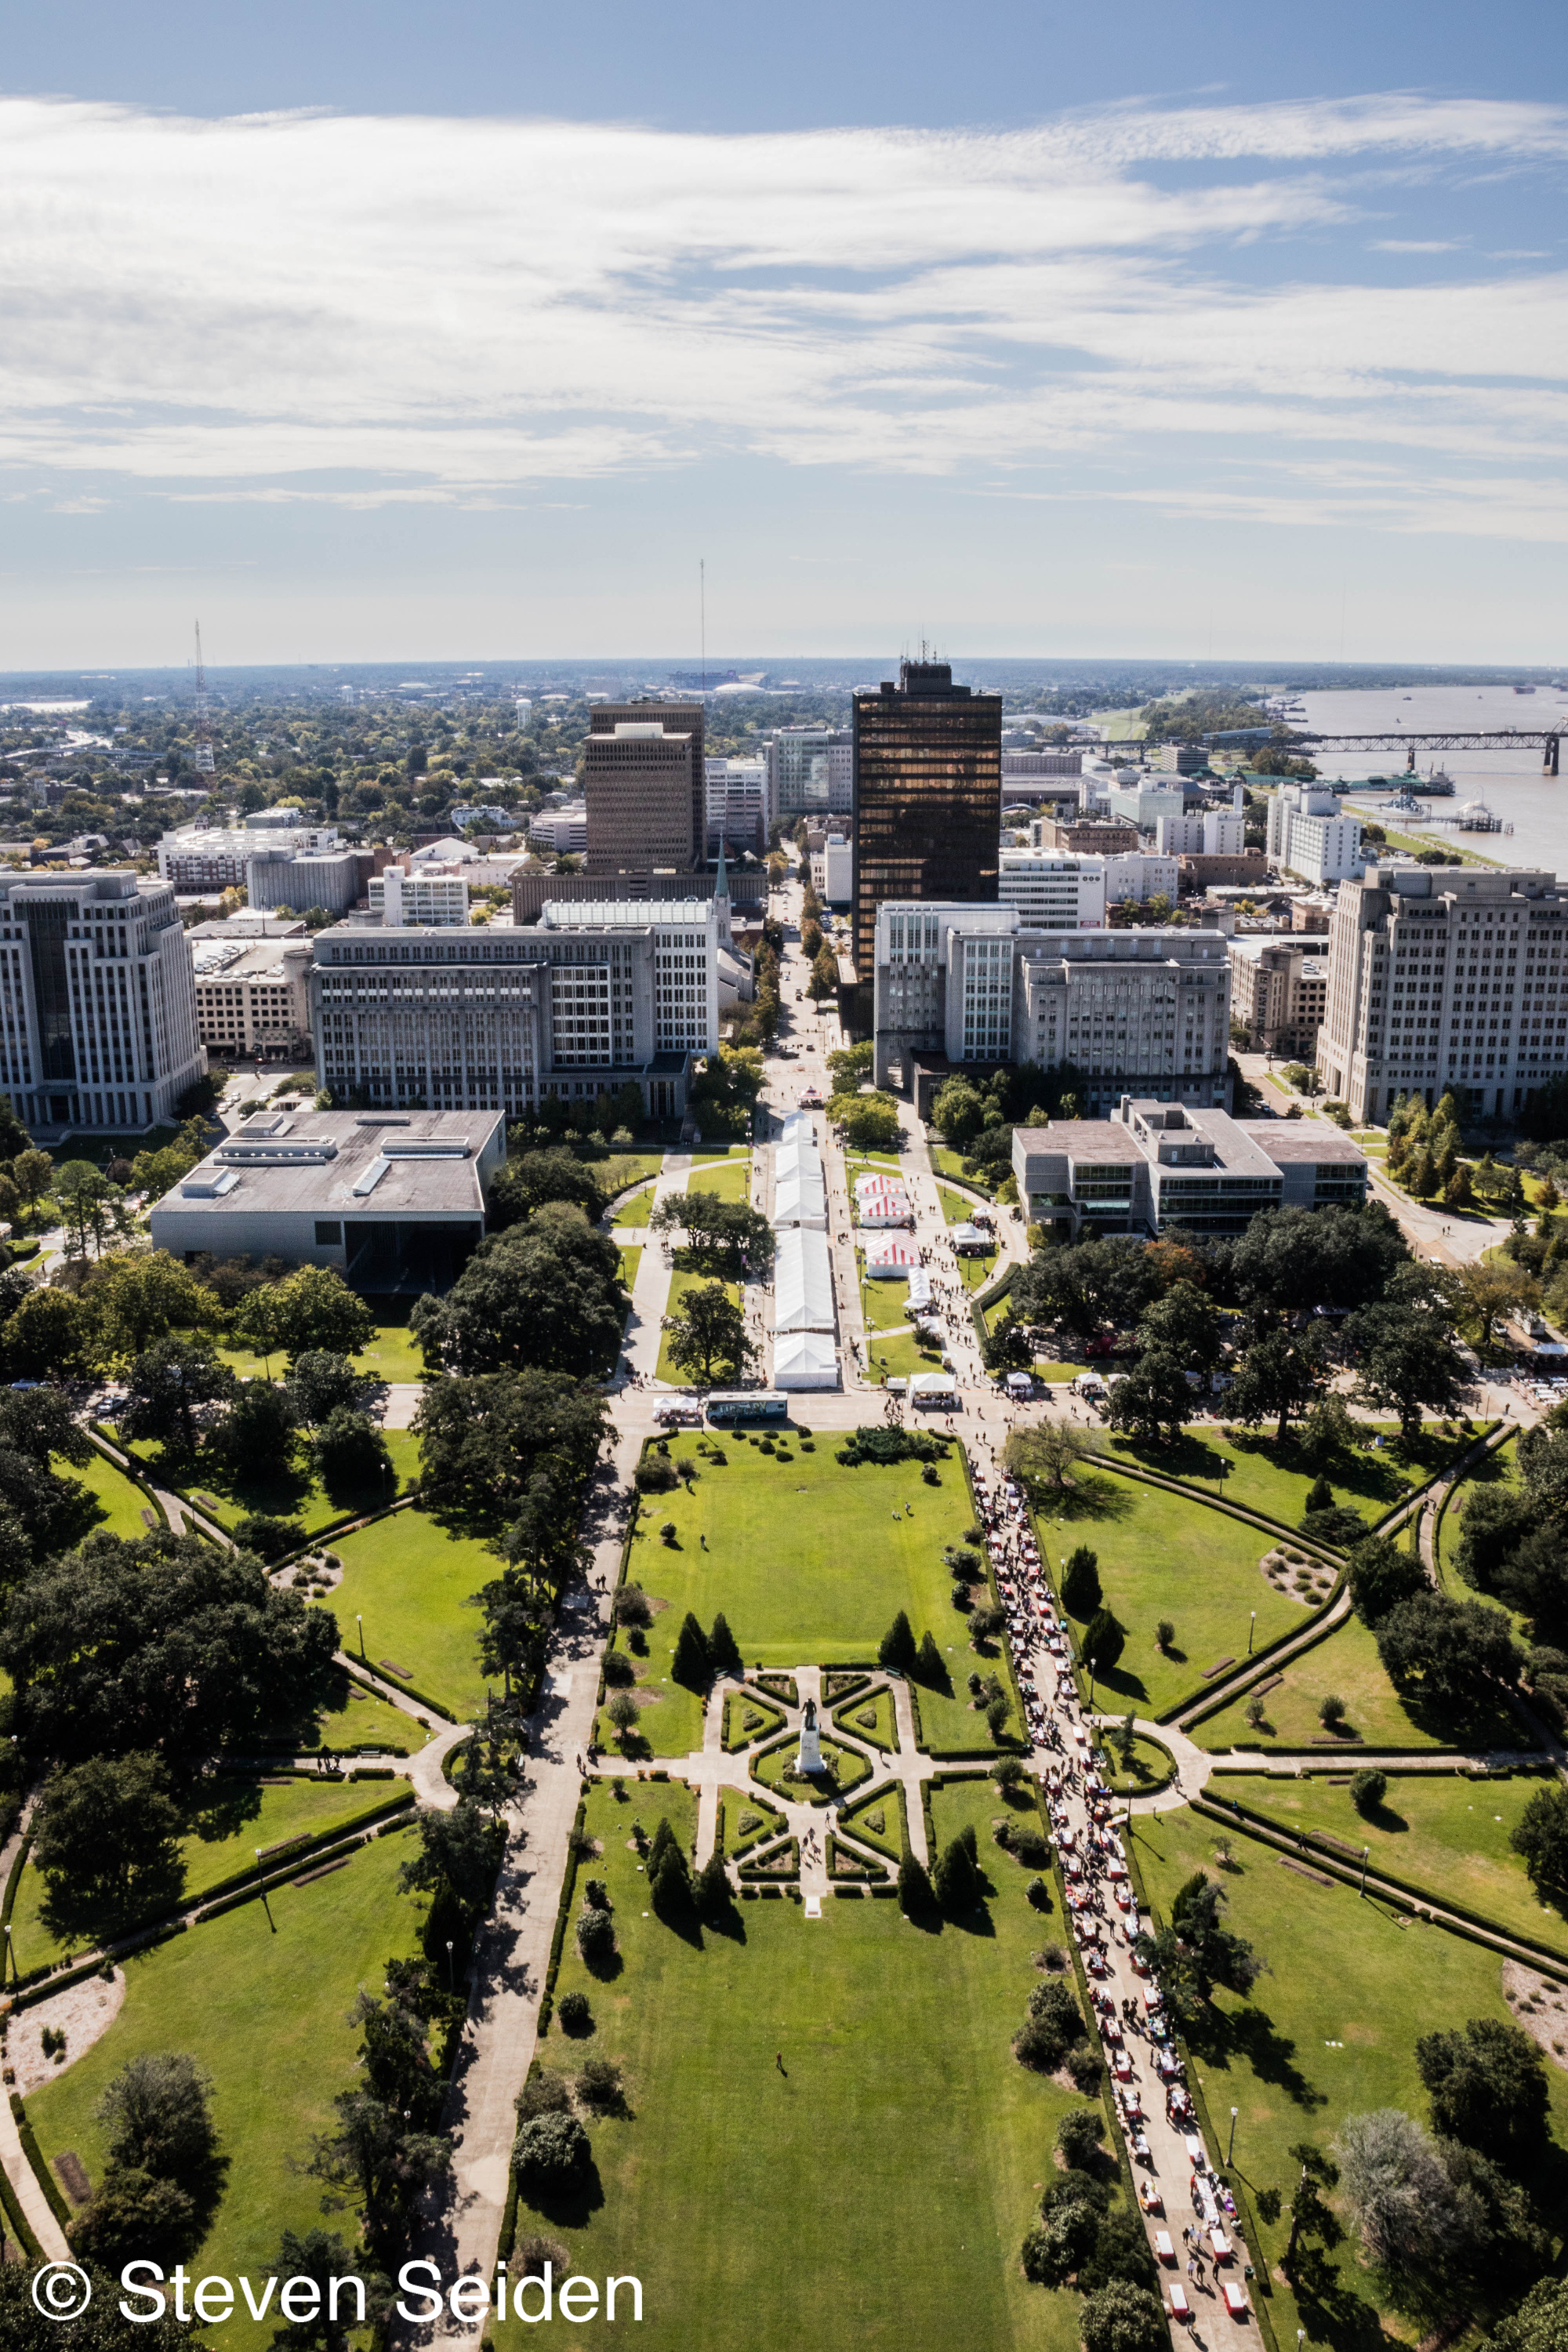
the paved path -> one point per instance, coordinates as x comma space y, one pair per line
18, 2171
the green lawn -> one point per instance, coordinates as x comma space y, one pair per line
1261, 1477
1330, 2032
731, 1182
1346, 1662
119, 1500
707, 1157
293, 1495
883, 1799
353, 1717
881, 1731
956, 1207
894, 1355
1498, 1468
631, 1261
884, 1303
780, 2078
1163, 1556
950, 1163
974, 1273
809, 1563
1150, 1765
637, 1210
238, 1816
1436, 1829
260, 2002
391, 1354
623, 1169
411, 1577
679, 1284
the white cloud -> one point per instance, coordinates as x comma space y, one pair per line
425, 311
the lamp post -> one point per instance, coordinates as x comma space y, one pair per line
449, 1972
10, 1965
1230, 2151
1365, 1851
359, 1620
1251, 1629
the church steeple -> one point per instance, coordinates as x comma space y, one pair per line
721, 881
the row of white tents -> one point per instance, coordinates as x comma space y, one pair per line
805, 1354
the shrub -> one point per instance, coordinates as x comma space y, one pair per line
574, 2014
929, 1668
543, 2094
1254, 1711
667, 1531
1080, 1583
653, 1477
270, 1539
623, 1712
553, 2156
597, 1894
1007, 1772
1036, 2044
1080, 2136
1368, 1790
1124, 2318
1030, 1847
916, 1898
1085, 2068
1038, 1893
1164, 1634
632, 1606
1120, 2253
619, 1672
1331, 1711
599, 2086
1055, 2004
595, 1936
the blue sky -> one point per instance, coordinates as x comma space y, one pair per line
371, 332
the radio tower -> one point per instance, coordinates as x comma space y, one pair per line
202, 760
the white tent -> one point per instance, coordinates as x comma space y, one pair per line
892, 1209
919, 1287
801, 1200
889, 1257
870, 1188
793, 1159
794, 1125
802, 1282
970, 1238
805, 1360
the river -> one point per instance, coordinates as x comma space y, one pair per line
1511, 782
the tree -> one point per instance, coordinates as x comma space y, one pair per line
723, 1650
1043, 1458
1487, 2082
103, 1833
133, 2214
1154, 1399
1312, 2215
461, 1850
382, 2162
1541, 1836
317, 1310
1400, 2193
166, 1384
897, 1650
1008, 1348
1292, 1258
916, 1898
871, 1122
51, 1336
956, 1880
136, 1298
545, 1294
713, 1893
321, 2256
521, 1442
1281, 1373
958, 1111
1183, 1323
1368, 1790
1213, 1953
529, 1178
708, 1329
255, 1438
32, 1172
320, 1382
1539, 2324
851, 1064
165, 1644
553, 2157
352, 1456
1122, 2317
1406, 1361
13, 1136
692, 1664
1080, 1583
1080, 2137
622, 1712
158, 2116
1380, 1574
87, 1201
1489, 1290
595, 1936
1446, 1653
929, 1668
723, 1237
1104, 1639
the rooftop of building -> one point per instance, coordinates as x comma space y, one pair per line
386, 1164
621, 914
246, 925
235, 959
1301, 1140
1081, 1139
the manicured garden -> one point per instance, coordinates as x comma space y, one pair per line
1346, 1664
120, 1502
295, 1493
234, 1818
808, 1562
1330, 2032
411, 1577
1163, 1556
1260, 1475
666, 1368
260, 1999
1437, 1831
843, 1769
844, 2086
731, 1178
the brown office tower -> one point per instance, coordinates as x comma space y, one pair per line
928, 804
644, 783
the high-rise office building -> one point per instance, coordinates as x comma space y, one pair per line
928, 803
99, 1003
811, 772
644, 783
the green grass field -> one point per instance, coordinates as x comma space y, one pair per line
259, 2003
637, 1210
221, 1840
956, 1207
391, 1354
730, 1180
781, 2078
809, 1563
1330, 2032
294, 1496
666, 1368
1437, 1831
119, 1500
357, 1718
631, 1261
974, 1273
1346, 1662
1260, 1478
847, 1770
411, 1578
950, 1163
1498, 1468
624, 1168
1150, 1765
1163, 1556
884, 1304
881, 1731
893, 1356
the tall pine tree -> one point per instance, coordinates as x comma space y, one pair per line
897, 1650
690, 1663
724, 1652
931, 1668
1080, 1584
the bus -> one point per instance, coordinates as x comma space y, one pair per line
747, 1405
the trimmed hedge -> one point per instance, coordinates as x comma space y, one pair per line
304, 1849
41, 2173
21, 2229
563, 1913
367, 1679
13, 1881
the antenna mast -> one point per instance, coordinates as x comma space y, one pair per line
702, 615
203, 760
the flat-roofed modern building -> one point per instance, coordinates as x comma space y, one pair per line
98, 1009
644, 783
1053, 893
253, 996
1152, 1166
395, 1200
811, 772
928, 803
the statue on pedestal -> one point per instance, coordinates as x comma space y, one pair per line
809, 1759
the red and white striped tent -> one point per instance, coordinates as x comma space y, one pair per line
890, 1256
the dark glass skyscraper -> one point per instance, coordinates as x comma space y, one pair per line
928, 802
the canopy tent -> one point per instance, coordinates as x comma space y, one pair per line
792, 1159
805, 1360
801, 1199
892, 1209
870, 1188
969, 1237
794, 1124
931, 1388
802, 1282
890, 1256
920, 1286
